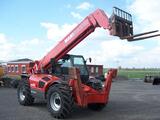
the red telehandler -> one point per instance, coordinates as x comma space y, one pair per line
62, 79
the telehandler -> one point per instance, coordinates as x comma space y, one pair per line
63, 79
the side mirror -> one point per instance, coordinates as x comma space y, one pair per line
90, 60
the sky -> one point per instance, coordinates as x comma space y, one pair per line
31, 28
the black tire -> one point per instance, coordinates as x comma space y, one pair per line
24, 93
96, 106
156, 81
14, 83
60, 101
7, 81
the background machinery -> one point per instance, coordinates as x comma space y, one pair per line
62, 79
1, 71
1, 74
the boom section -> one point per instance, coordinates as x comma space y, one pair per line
81, 31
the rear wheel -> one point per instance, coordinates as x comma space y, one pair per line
24, 93
96, 106
59, 101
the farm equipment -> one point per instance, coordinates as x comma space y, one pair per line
1, 74
1, 71
63, 79
7, 80
155, 80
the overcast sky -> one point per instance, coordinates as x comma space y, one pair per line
30, 28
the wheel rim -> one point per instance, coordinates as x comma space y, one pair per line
22, 93
55, 101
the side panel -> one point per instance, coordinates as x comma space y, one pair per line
89, 95
39, 84
85, 95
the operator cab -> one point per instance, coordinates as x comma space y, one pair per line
61, 68
68, 61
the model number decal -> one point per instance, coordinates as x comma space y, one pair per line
69, 37
33, 85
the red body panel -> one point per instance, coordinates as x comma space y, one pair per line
83, 94
34, 81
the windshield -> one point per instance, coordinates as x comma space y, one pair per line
65, 62
79, 62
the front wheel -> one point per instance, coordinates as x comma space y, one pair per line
59, 101
24, 93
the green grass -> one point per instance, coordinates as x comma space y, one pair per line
136, 73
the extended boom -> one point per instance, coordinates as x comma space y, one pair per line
81, 31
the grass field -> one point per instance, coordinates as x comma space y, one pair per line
136, 73
128, 73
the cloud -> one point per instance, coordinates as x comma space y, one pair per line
84, 6
103, 48
146, 18
143, 59
110, 51
146, 13
34, 48
5, 47
150, 58
2, 38
76, 15
57, 32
